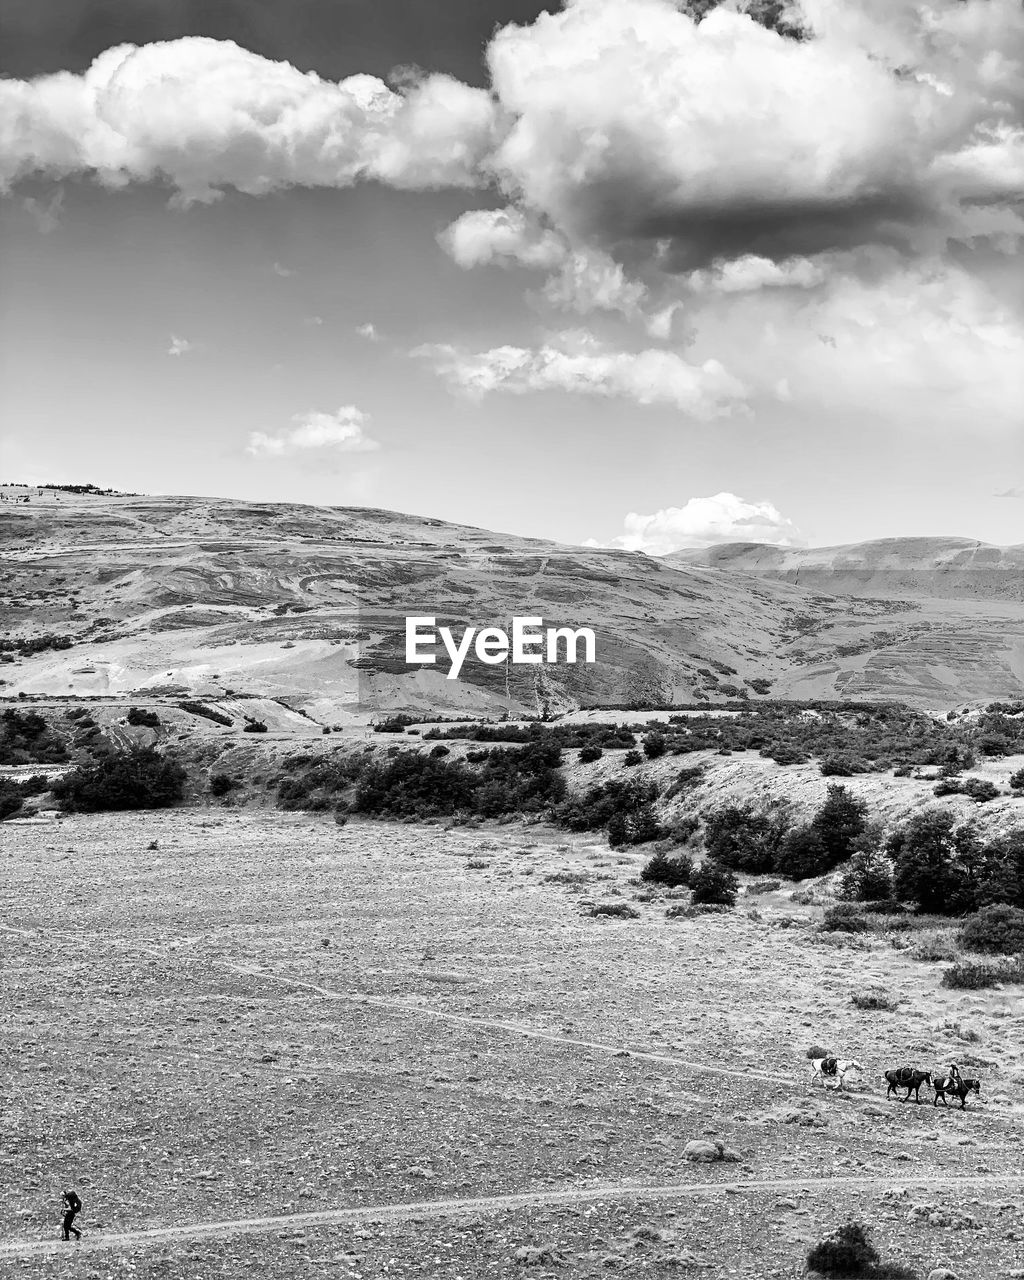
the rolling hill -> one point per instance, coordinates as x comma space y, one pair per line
304, 606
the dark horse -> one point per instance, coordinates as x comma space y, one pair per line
958, 1087
908, 1078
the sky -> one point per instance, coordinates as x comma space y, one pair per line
605, 274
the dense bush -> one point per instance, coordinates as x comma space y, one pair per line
411, 784
1017, 780
745, 839
208, 713
137, 779
654, 745
221, 784
998, 930
661, 869
844, 917
26, 738
632, 758
253, 726
936, 863
979, 789
969, 975
847, 1252
590, 753
143, 718
867, 877
714, 883
13, 792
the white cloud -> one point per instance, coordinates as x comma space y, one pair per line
924, 345
646, 377
368, 331
703, 522
502, 237
280, 270
750, 273
179, 346
340, 432
206, 115
894, 124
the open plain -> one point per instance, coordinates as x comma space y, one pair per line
260, 1043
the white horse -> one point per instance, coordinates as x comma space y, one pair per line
838, 1072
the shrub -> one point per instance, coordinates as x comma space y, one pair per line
840, 767
867, 877
714, 883
847, 1252
879, 1000
997, 930
1017, 780
618, 832
661, 869
208, 713
590, 753
617, 910
254, 726
440, 750
969, 975
146, 719
844, 917
979, 789
654, 744
26, 738
631, 758
933, 945
221, 784
764, 886
137, 779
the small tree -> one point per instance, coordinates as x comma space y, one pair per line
1017, 780
654, 744
590, 753
714, 884
838, 823
661, 869
867, 877
618, 832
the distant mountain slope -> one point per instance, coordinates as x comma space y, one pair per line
938, 568
218, 598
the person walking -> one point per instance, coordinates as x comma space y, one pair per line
72, 1207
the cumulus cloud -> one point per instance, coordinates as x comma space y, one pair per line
369, 331
339, 432
205, 115
502, 237
179, 346
749, 273
704, 522
647, 377
891, 124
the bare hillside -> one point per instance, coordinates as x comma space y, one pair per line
209, 597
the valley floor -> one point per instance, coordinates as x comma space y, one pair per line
271, 1045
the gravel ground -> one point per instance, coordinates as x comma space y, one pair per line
262, 1038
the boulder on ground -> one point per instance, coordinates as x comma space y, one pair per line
701, 1151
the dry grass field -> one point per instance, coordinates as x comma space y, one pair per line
269, 1045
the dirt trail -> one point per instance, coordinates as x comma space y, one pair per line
510, 1028
385, 1213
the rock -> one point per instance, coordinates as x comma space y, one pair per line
942, 1273
538, 1255
701, 1151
